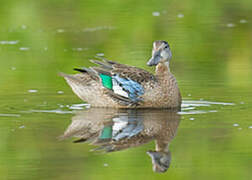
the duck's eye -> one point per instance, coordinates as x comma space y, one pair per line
166, 47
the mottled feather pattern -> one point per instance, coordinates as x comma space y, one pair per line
133, 73
144, 90
129, 78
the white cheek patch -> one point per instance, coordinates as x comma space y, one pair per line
154, 45
164, 54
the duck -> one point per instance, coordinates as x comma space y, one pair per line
115, 85
120, 129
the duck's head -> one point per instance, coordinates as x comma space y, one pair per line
161, 53
160, 160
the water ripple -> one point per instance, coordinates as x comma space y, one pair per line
190, 106
10, 115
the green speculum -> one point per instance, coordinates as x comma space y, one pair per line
106, 81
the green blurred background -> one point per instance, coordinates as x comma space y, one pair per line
211, 43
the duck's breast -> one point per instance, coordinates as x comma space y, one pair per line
164, 94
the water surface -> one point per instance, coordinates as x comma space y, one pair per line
211, 46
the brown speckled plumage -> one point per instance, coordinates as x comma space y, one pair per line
160, 90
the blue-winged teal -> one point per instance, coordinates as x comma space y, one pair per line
121, 86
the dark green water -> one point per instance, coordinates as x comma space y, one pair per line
211, 43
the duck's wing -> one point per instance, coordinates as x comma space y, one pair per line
123, 83
130, 72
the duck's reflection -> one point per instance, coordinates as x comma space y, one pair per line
115, 130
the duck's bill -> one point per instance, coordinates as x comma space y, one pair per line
154, 60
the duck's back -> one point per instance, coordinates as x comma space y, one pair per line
121, 86
89, 90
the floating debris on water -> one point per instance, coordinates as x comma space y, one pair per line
24, 26
60, 92
60, 30
243, 21
191, 119
100, 54
57, 111
45, 48
32, 90
9, 42
79, 49
239, 128
24, 48
189, 95
13, 68
21, 127
230, 25
98, 28
156, 13
235, 125
61, 106
250, 127
180, 15
10, 115
241, 102
105, 165
13, 42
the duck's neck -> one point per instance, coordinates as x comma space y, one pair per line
162, 146
162, 69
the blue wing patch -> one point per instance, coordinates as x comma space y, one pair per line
132, 88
